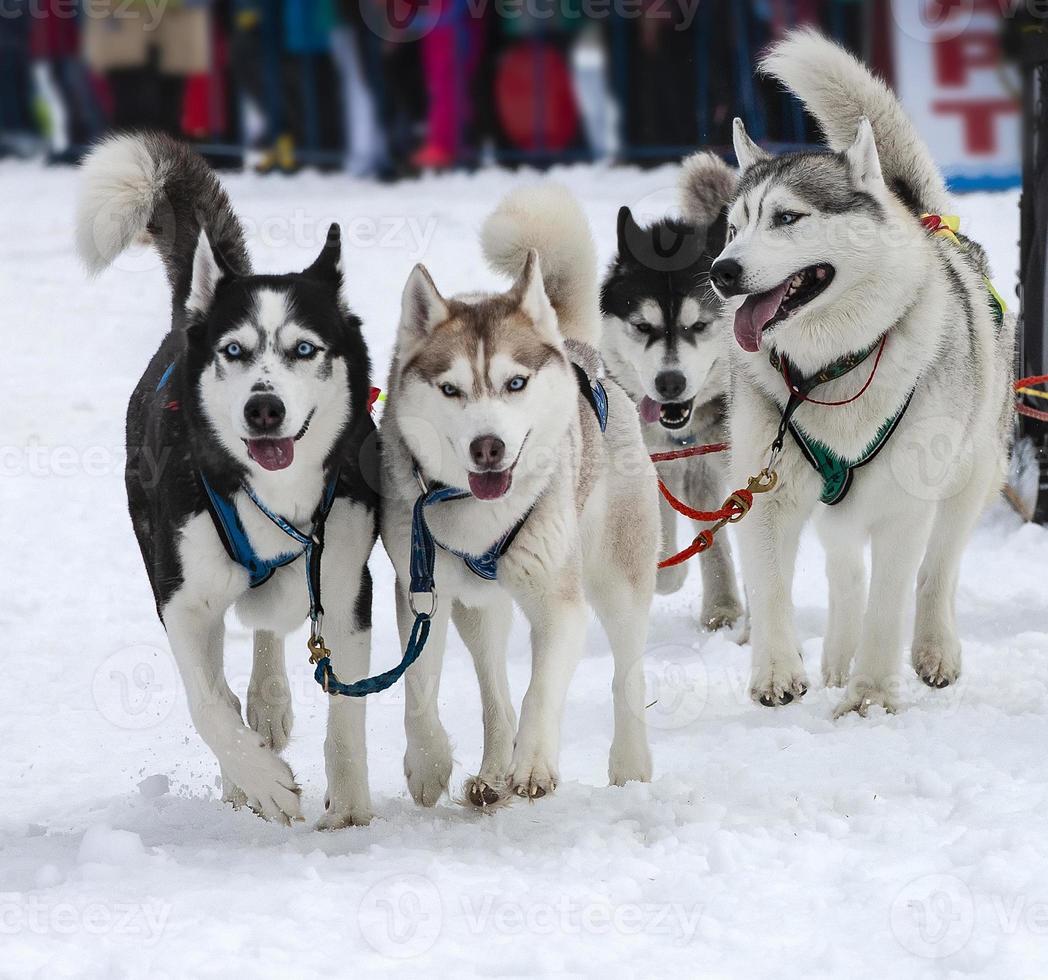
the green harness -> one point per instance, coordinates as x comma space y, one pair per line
837, 473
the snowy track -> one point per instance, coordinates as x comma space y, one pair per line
771, 843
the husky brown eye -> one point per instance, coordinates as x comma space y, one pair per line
449, 390
643, 328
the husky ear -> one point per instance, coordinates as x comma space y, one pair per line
863, 158
628, 231
208, 272
421, 306
747, 152
530, 292
328, 264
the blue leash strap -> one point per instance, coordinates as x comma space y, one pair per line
423, 563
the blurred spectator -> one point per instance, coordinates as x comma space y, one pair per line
18, 130
355, 49
452, 46
384, 87
66, 95
536, 113
145, 55
282, 59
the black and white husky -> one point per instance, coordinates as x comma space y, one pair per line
253, 412
850, 289
505, 444
665, 340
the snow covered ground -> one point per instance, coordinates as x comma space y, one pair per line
770, 842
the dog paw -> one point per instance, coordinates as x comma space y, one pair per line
428, 770
266, 784
485, 793
670, 580
780, 684
721, 614
271, 719
231, 793
938, 665
533, 780
860, 699
836, 667
629, 762
339, 817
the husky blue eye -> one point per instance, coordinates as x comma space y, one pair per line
519, 383
787, 218
449, 390
232, 350
306, 349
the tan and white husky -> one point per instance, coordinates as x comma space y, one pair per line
497, 395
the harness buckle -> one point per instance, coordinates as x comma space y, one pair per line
317, 650
763, 482
432, 603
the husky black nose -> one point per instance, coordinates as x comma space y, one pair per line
726, 275
264, 413
669, 385
487, 452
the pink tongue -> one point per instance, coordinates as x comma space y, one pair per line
649, 410
490, 486
271, 454
753, 315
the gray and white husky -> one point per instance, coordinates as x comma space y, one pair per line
666, 341
496, 395
832, 272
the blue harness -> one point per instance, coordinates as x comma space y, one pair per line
424, 559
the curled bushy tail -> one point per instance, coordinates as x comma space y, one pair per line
148, 187
547, 218
838, 90
707, 186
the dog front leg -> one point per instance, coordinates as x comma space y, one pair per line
427, 760
768, 540
896, 547
348, 628
936, 650
669, 580
558, 635
720, 596
485, 631
268, 694
265, 781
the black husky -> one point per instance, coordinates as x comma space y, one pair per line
250, 453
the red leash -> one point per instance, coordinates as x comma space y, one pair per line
1031, 413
